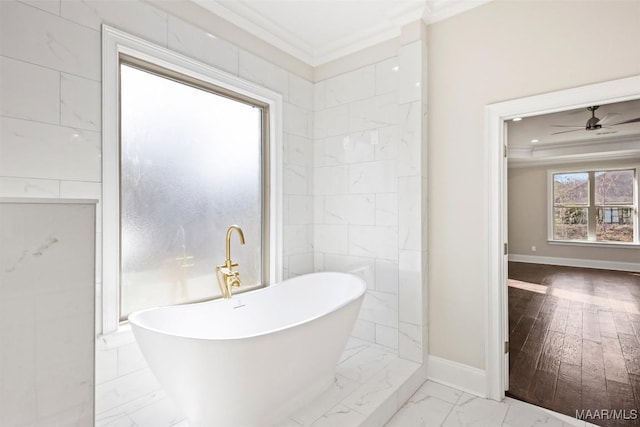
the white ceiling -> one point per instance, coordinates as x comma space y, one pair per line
613, 141
319, 31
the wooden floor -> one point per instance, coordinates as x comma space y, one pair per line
575, 339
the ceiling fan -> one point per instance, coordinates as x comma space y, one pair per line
595, 123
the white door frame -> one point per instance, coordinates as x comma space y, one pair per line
495, 115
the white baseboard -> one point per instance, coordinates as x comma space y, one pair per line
456, 375
575, 262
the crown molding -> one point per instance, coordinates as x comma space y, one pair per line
241, 14
261, 27
438, 10
575, 151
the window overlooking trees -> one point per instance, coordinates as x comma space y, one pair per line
595, 206
570, 206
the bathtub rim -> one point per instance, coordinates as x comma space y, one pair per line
358, 296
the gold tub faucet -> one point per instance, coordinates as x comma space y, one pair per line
225, 273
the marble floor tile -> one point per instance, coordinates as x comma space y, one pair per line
341, 388
442, 392
438, 405
285, 423
365, 364
159, 414
528, 416
380, 387
354, 345
421, 411
477, 411
340, 416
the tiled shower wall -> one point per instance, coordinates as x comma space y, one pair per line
357, 136
370, 181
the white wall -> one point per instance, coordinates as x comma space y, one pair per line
499, 51
528, 207
50, 140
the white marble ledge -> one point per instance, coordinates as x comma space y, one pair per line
47, 201
115, 339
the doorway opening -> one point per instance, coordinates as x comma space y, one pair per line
501, 336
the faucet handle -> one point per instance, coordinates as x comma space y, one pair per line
235, 279
224, 270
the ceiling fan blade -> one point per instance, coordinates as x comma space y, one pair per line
607, 118
636, 120
567, 126
565, 131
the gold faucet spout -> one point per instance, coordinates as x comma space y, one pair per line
228, 246
227, 277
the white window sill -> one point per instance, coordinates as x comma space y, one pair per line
621, 245
116, 339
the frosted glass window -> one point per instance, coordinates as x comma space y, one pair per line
191, 164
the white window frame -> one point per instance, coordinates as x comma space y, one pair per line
115, 43
591, 207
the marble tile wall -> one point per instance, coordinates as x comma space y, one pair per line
370, 159
46, 314
412, 196
356, 169
50, 126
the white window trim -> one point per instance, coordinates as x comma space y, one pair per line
593, 167
114, 43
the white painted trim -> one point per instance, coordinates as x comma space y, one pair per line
600, 93
600, 149
47, 201
443, 9
525, 162
577, 262
586, 244
115, 42
248, 19
457, 375
262, 28
495, 376
550, 201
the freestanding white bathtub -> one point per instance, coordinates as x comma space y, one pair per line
251, 360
